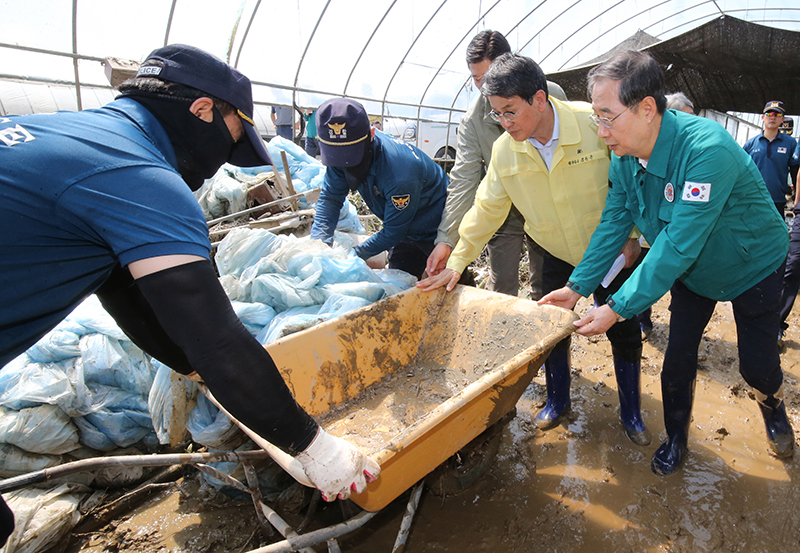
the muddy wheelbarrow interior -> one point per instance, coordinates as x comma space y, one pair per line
413, 378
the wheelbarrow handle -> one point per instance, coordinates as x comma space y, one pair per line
286, 461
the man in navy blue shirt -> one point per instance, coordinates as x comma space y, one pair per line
100, 202
401, 185
773, 152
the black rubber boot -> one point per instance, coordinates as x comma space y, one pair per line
779, 429
677, 399
557, 378
628, 366
645, 322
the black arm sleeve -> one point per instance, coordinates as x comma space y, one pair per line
123, 300
194, 311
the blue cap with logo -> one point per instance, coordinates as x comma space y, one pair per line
343, 130
193, 67
774, 105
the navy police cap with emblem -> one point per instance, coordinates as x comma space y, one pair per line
193, 67
343, 131
774, 105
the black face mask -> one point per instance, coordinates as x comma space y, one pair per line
357, 174
200, 148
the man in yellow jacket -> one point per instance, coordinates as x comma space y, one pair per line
550, 165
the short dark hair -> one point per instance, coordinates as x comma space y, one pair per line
157, 87
639, 76
487, 45
514, 75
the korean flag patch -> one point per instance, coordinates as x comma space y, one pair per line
696, 191
400, 201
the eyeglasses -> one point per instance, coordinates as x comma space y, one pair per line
605, 121
509, 116
775, 113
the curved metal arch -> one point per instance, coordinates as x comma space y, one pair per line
364, 49
548, 24
693, 6
169, 22
511, 30
456, 95
436, 74
576, 31
604, 33
660, 21
399, 65
308, 45
247, 32
469, 79
75, 53
691, 22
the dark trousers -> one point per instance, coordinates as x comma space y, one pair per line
311, 146
284, 131
623, 335
411, 256
755, 312
6, 522
791, 277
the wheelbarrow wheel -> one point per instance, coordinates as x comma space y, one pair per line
470, 463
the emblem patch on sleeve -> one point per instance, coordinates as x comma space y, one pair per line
696, 191
400, 201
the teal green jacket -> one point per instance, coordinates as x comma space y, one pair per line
703, 207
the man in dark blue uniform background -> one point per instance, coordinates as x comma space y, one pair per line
773, 152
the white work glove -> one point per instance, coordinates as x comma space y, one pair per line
337, 467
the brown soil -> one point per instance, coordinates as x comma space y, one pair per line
582, 487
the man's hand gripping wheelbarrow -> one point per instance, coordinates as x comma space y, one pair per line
337, 467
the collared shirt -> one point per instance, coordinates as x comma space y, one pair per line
701, 205
561, 206
477, 132
773, 159
547, 150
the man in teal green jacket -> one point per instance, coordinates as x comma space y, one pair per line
702, 205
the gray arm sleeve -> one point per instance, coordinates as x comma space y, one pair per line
464, 179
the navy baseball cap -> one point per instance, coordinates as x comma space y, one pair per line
193, 67
774, 105
343, 131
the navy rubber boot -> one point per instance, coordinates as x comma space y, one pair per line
628, 366
779, 429
678, 399
557, 377
645, 321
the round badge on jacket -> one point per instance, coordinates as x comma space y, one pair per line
669, 192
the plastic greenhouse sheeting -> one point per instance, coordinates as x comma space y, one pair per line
86, 384
403, 58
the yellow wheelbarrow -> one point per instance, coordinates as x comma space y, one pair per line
415, 377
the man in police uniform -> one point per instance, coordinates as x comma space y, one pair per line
715, 236
100, 201
773, 153
551, 165
401, 185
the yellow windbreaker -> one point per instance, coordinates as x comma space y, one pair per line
561, 207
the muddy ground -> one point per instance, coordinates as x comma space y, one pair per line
582, 487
